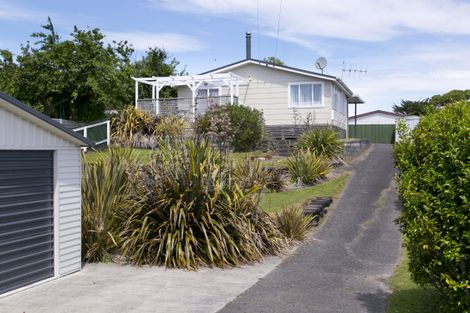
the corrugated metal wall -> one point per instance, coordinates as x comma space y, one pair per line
373, 133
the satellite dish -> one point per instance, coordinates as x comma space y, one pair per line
320, 63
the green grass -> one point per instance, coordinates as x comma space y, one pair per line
407, 296
274, 202
143, 155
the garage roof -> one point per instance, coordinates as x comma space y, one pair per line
43, 120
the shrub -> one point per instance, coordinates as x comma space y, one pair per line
275, 180
170, 127
135, 128
105, 190
250, 174
129, 122
306, 167
292, 222
190, 212
322, 141
245, 128
434, 184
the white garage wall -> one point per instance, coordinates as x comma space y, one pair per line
69, 202
17, 133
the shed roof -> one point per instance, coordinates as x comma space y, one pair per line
43, 120
377, 112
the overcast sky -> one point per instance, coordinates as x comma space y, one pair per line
411, 49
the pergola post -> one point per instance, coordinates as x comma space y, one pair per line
157, 98
231, 90
136, 93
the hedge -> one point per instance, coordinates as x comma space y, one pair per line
434, 187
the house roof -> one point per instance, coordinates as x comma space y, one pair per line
377, 112
230, 66
23, 109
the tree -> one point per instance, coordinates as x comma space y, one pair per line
155, 63
273, 60
408, 107
452, 96
80, 77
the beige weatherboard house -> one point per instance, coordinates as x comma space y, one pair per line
287, 96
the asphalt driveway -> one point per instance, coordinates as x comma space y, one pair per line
346, 265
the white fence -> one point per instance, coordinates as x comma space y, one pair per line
88, 129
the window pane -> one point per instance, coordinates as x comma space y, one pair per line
202, 93
317, 94
213, 92
306, 94
294, 94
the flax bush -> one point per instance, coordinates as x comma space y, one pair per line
189, 212
322, 141
105, 191
434, 186
293, 223
306, 167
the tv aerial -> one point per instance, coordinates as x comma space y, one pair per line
320, 63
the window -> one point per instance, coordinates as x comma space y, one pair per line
340, 102
208, 92
306, 95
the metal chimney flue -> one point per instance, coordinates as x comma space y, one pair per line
248, 45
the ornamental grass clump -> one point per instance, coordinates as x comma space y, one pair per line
105, 190
292, 222
306, 167
322, 141
190, 212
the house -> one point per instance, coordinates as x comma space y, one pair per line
287, 96
378, 126
40, 197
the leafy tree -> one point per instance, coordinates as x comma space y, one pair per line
273, 60
408, 107
452, 96
80, 77
155, 63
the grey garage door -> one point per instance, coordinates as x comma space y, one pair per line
26, 218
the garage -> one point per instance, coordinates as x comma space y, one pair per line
40, 203
376, 126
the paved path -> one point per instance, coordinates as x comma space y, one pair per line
345, 267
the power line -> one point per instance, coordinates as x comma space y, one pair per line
257, 28
278, 27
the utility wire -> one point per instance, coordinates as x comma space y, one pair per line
278, 27
257, 29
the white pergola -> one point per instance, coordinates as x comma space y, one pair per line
193, 82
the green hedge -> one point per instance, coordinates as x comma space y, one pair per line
434, 186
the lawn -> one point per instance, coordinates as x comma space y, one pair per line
142, 154
407, 296
273, 202
145, 155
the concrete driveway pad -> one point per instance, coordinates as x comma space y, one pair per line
118, 289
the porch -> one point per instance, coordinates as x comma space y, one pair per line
206, 90
182, 106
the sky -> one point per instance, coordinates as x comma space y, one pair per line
411, 49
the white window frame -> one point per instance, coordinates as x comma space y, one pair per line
209, 88
313, 105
